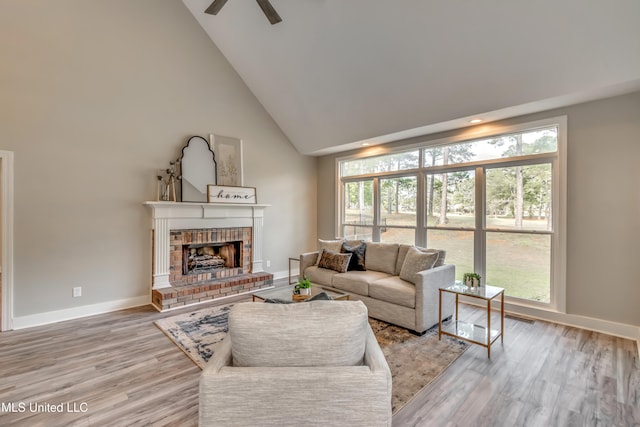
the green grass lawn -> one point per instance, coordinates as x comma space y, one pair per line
520, 263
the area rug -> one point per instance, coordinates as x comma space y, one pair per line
415, 361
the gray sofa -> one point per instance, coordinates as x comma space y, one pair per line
400, 294
311, 364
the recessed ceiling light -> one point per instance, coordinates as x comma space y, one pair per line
365, 144
474, 121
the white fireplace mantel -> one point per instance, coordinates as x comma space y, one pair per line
169, 216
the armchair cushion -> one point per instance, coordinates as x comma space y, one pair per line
318, 333
336, 396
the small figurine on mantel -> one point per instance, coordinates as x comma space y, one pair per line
167, 187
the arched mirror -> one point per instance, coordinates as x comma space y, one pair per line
198, 167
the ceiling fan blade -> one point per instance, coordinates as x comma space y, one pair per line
215, 7
269, 11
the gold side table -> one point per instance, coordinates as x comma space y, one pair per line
473, 333
291, 282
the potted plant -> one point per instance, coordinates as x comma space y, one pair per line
303, 287
472, 280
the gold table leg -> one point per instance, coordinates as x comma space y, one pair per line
439, 314
489, 329
502, 318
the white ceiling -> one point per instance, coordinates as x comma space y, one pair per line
335, 73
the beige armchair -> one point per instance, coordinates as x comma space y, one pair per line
304, 364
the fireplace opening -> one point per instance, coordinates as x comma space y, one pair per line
206, 257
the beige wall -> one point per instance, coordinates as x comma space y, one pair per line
96, 95
603, 214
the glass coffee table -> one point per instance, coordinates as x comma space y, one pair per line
286, 293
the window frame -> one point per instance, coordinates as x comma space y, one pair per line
558, 160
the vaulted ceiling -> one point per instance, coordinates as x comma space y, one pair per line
336, 73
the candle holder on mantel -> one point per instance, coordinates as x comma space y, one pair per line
166, 188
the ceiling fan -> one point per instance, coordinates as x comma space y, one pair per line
266, 7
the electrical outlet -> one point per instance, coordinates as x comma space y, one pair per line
268, 263
77, 291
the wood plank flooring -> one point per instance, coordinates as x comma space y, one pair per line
129, 374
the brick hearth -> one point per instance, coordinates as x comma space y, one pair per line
179, 296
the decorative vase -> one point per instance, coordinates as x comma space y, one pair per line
305, 291
472, 283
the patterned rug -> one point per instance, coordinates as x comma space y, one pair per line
415, 361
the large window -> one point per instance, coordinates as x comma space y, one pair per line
493, 203
398, 198
357, 220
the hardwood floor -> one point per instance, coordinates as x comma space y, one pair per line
543, 375
121, 370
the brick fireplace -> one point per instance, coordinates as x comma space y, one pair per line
206, 254
205, 251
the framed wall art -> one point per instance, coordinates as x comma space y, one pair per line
228, 151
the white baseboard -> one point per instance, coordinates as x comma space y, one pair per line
589, 323
621, 330
49, 317
284, 274
38, 319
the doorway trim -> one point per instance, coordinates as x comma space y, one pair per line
6, 225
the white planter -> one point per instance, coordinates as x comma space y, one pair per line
305, 291
472, 283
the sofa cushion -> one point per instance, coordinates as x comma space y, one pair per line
334, 261
416, 261
394, 290
319, 333
357, 256
402, 253
356, 282
381, 257
321, 276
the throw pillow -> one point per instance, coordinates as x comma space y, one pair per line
441, 256
353, 243
416, 261
277, 301
322, 296
402, 253
437, 262
334, 261
357, 256
332, 245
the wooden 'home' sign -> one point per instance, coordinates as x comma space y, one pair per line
228, 194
